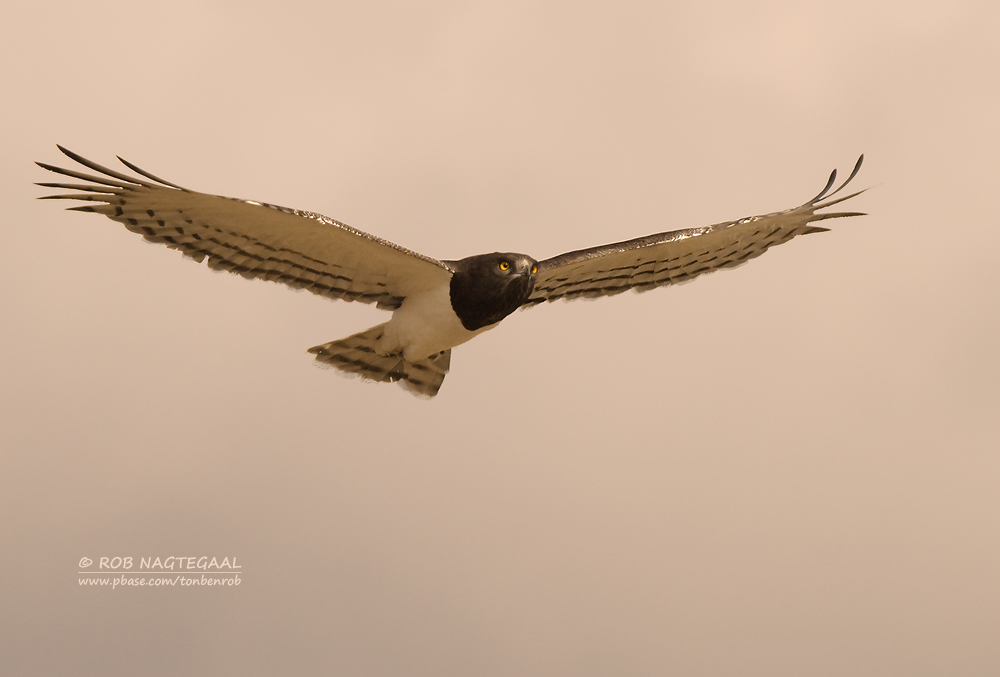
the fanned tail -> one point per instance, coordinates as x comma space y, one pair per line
359, 355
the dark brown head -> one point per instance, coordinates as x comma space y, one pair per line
489, 287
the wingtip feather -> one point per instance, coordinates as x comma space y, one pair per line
826, 193
829, 183
143, 172
837, 215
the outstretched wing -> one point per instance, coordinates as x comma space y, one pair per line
680, 255
253, 239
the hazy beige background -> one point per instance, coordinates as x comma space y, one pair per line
790, 469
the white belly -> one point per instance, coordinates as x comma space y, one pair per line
425, 325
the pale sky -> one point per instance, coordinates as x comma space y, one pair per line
792, 468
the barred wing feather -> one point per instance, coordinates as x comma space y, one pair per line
253, 239
680, 255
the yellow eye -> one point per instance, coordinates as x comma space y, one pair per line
505, 265
534, 269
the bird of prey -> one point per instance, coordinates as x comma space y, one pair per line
436, 305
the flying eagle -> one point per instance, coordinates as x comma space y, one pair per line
436, 305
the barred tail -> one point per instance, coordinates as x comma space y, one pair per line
358, 355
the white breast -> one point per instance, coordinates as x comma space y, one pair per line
425, 324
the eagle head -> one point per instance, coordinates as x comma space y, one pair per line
489, 287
